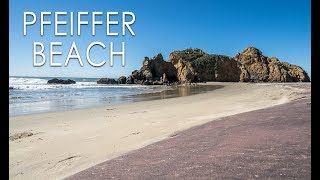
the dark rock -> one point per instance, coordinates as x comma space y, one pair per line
130, 80
10, 88
153, 70
155, 67
138, 75
107, 81
61, 81
148, 82
136, 81
122, 80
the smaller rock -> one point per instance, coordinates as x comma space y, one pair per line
107, 81
122, 80
61, 81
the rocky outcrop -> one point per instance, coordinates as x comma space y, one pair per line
154, 71
182, 62
217, 68
61, 81
130, 80
194, 65
107, 81
255, 67
122, 80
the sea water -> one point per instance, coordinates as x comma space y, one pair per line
32, 95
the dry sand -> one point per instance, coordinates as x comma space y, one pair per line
56, 145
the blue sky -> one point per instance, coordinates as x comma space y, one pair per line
277, 27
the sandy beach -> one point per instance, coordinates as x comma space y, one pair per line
57, 145
261, 144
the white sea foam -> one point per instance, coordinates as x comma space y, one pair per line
22, 83
34, 95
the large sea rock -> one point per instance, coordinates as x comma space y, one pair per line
195, 65
255, 67
61, 81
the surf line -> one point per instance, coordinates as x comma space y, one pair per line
30, 19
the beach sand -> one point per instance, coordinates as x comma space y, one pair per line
56, 145
270, 143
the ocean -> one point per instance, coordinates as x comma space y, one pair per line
32, 95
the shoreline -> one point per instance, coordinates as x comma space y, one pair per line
160, 92
64, 143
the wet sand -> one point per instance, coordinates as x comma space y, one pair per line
57, 145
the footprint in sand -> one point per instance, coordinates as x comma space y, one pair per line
21, 135
111, 116
64, 162
138, 112
173, 135
134, 133
109, 109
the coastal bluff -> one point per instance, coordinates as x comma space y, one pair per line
195, 65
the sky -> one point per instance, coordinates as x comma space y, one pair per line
279, 28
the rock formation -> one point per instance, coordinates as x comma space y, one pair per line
153, 71
61, 81
107, 81
255, 67
195, 65
122, 80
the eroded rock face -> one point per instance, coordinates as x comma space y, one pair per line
217, 68
155, 68
61, 81
296, 73
194, 65
182, 62
152, 72
255, 67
